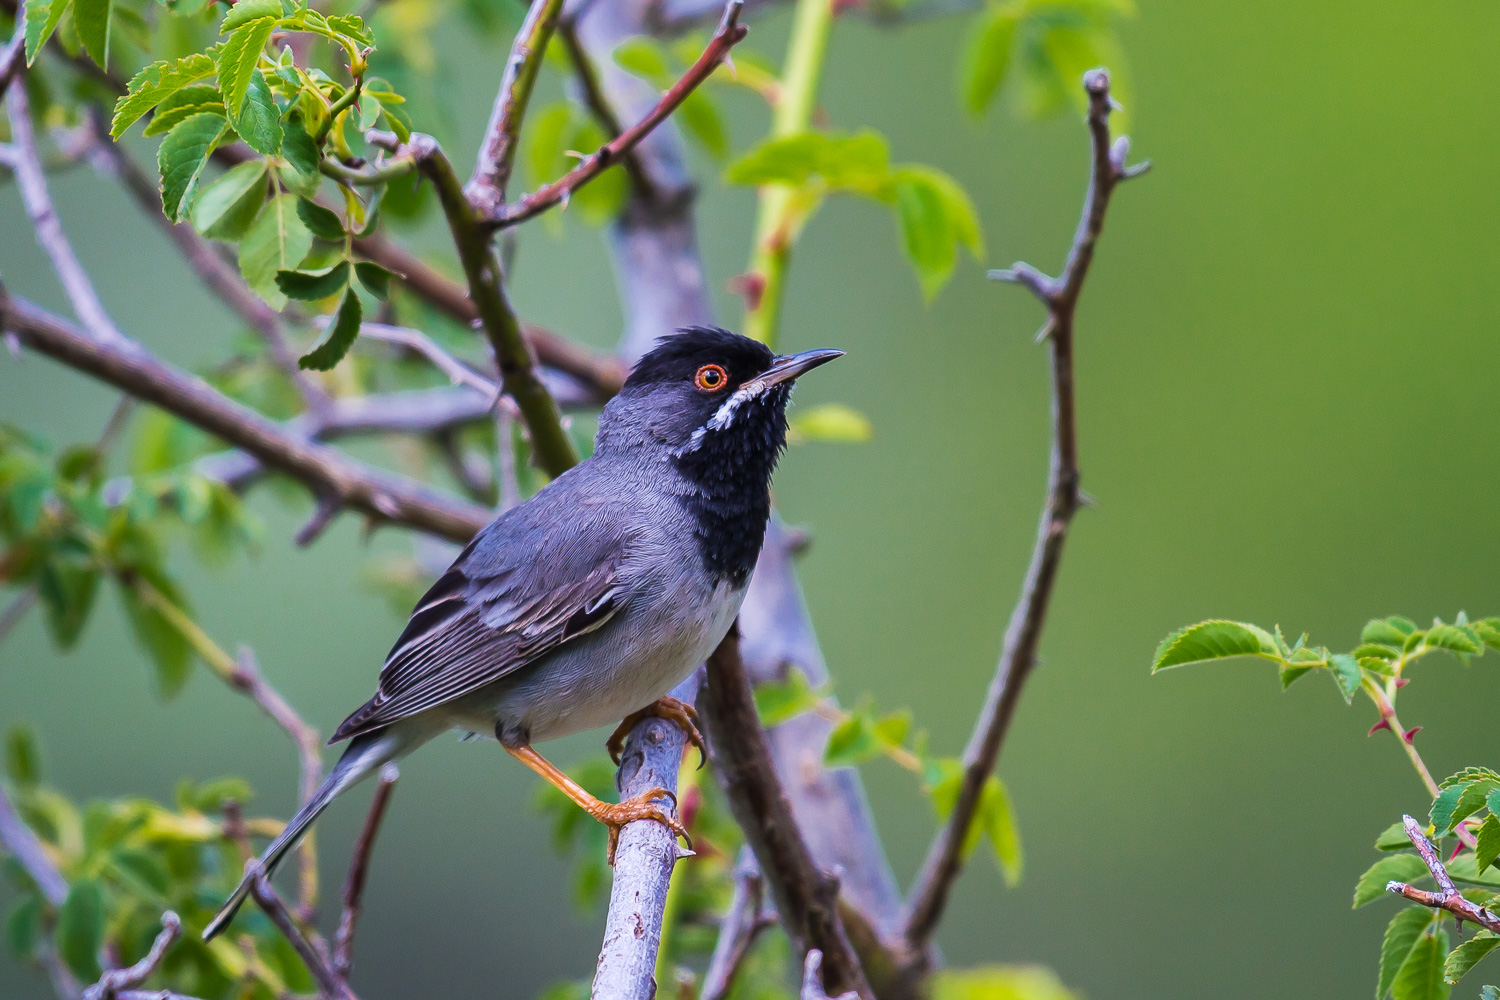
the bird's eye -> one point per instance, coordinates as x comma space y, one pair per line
710, 378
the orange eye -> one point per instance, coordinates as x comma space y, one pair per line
711, 378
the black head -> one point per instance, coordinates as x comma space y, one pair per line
714, 404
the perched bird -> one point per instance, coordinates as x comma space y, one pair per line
590, 601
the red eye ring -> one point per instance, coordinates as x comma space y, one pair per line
711, 378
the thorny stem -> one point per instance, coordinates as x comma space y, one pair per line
945, 859
776, 219
1385, 704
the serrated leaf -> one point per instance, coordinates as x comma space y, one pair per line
1457, 801
341, 336
80, 928
42, 18
987, 56
1454, 639
1377, 650
1289, 675
352, 27
259, 119
194, 100
22, 761
301, 152
226, 208
277, 241
1215, 639
181, 159
321, 222
1465, 869
1488, 630
1346, 674
830, 422
1421, 975
1401, 935
1389, 631
1467, 775
1393, 868
312, 287
154, 85
237, 59
91, 19
1467, 955
245, 11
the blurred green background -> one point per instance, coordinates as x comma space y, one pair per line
1285, 367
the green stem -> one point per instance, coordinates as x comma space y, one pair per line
776, 220
366, 176
337, 108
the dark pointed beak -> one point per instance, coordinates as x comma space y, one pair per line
789, 366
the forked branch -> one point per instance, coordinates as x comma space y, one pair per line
1447, 897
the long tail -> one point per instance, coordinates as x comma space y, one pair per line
365, 755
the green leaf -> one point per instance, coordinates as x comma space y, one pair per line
1465, 869
259, 119
237, 59
164, 643
1215, 639
22, 760
225, 208
1455, 802
312, 287
277, 241
1489, 993
154, 85
778, 701
1346, 674
181, 159
245, 11
42, 17
376, 279
1392, 868
67, 591
340, 337
80, 928
852, 742
859, 163
997, 818
1000, 982
831, 422
1389, 631
299, 150
91, 20
1467, 775
643, 57
1488, 630
195, 100
1421, 975
1467, 955
924, 234
141, 871
23, 928
1394, 838
322, 222
700, 119
1454, 639
352, 27
1401, 936
987, 56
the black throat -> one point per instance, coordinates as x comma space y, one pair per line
729, 472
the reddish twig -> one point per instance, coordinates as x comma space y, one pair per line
1447, 897
729, 34
330, 986
1018, 658
359, 867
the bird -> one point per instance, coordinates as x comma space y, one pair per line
589, 601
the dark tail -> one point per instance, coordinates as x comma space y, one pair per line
366, 754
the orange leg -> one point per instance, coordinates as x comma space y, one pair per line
669, 708
612, 814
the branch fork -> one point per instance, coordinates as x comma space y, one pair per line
1447, 897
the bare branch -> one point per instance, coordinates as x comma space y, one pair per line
812, 979
497, 153
598, 104
458, 373
805, 895
645, 856
359, 867
1018, 658
1447, 897
330, 986
378, 495
730, 32
13, 56
738, 931
112, 982
23, 845
22, 158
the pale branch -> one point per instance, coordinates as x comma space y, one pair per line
739, 929
378, 495
497, 151
114, 981
1447, 897
458, 373
359, 868
330, 986
23, 845
23, 160
812, 979
805, 895
945, 858
729, 33
645, 856
13, 56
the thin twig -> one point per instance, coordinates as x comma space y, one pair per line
16, 610
505, 459
23, 845
458, 373
112, 982
359, 867
329, 985
13, 57
497, 152
730, 32
739, 929
1060, 296
598, 104
376, 494
805, 896
22, 156
1447, 897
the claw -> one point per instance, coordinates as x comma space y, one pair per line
616, 815
670, 709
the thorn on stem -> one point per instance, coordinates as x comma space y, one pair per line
1401, 682
1411, 733
1382, 724
328, 508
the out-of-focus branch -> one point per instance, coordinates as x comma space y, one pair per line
13, 56
359, 868
1018, 657
22, 158
23, 845
738, 930
458, 373
497, 153
16, 610
112, 982
1447, 897
592, 89
328, 473
805, 895
330, 986
729, 33
812, 979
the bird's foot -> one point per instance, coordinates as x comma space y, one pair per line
668, 708
643, 806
